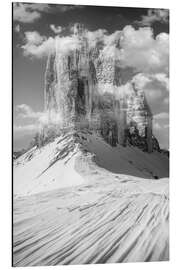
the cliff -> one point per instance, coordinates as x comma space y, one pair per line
83, 87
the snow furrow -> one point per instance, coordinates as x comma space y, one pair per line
123, 230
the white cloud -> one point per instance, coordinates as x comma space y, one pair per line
95, 36
56, 29
25, 129
155, 86
162, 115
162, 77
37, 45
156, 126
40, 119
137, 49
25, 13
34, 38
113, 38
40, 46
101, 35
155, 89
26, 112
17, 28
141, 80
65, 45
118, 91
143, 52
123, 90
29, 13
154, 15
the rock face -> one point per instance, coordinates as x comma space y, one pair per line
83, 86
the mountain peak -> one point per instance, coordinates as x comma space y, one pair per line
86, 90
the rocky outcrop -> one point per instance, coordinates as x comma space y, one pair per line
82, 86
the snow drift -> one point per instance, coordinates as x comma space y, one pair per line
89, 202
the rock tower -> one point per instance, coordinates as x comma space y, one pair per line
81, 87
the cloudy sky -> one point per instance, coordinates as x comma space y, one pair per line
144, 56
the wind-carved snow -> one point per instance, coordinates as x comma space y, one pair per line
92, 211
47, 168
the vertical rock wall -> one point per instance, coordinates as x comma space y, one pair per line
81, 85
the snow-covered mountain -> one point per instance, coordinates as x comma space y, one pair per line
97, 191
56, 165
89, 202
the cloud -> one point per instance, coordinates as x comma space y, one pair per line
117, 91
65, 45
140, 80
147, 56
143, 80
37, 45
17, 28
34, 38
136, 49
56, 29
143, 52
25, 13
162, 77
29, 13
40, 46
156, 89
25, 112
160, 128
162, 115
25, 129
154, 15
161, 122
156, 126
95, 37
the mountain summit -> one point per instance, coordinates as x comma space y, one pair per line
84, 87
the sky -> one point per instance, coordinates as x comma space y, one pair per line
144, 56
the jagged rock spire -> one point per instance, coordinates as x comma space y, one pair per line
81, 88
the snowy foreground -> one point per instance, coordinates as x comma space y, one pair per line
75, 207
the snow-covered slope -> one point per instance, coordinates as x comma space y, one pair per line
47, 168
56, 165
90, 203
